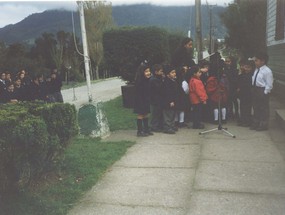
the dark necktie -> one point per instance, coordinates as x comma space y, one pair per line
254, 82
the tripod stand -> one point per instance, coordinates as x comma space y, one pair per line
219, 128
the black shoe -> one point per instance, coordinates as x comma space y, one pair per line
170, 131
182, 125
149, 133
141, 134
157, 130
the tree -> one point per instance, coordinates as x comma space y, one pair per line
42, 50
126, 48
246, 24
98, 19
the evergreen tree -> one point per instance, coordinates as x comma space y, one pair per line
246, 24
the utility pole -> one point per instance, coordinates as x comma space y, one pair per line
211, 39
85, 49
198, 29
210, 42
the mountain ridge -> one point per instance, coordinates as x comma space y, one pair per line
173, 18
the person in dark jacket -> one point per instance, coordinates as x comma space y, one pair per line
244, 92
183, 104
9, 95
54, 85
183, 55
231, 71
170, 95
19, 90
156, 93
33, 89
142, 100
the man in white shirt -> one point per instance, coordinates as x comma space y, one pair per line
262, 84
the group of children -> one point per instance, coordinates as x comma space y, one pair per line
22, 87
208, 91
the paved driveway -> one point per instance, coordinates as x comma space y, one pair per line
101, 91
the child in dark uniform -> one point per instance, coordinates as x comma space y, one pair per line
142, 100
156, 94
244, 92
170, 96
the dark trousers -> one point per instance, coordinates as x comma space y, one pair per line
197, 114
156, 122
168, 119
260, 103
245, 110
232, 106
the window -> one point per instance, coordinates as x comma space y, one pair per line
279, 28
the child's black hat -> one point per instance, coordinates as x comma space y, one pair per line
167, 69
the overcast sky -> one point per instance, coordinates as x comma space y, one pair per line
15, 11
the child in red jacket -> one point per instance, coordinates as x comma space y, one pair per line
198, 96
217, 88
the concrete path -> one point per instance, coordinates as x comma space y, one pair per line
102, 91
191, 174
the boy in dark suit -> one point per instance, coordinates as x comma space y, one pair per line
170, 95
156, 94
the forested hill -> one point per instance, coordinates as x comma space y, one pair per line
178, 18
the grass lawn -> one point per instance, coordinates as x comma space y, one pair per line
85, 162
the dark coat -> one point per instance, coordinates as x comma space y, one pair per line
8, 96
244, 86
182, 98
181, 58
156, 90
142, 97
170, 93
20, 93
54, 85
232, 75
33, 92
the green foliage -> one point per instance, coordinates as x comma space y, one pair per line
61, 120
33, 137
86, 160
98, 18
30, 140
126, 48
119, 118
246, 24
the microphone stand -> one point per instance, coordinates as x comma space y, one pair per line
220, 127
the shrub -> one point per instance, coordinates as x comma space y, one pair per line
33, 137
125, 48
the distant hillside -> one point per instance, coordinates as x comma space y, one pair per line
36, 24
173, 18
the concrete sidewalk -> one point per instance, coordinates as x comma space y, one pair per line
189, 174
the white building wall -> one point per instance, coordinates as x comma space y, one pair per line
271, 22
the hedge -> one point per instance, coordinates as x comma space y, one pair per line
33, 137
125, 48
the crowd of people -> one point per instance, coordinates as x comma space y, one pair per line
210, 91
22, 87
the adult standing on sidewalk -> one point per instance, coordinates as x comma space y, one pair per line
262, 84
